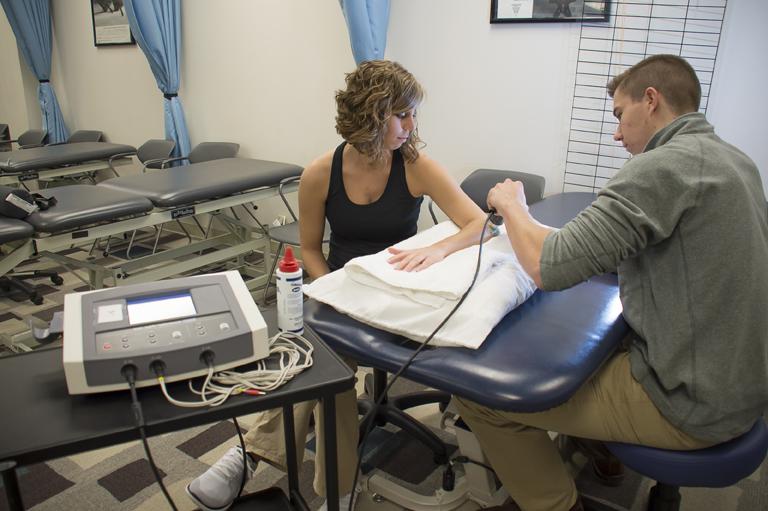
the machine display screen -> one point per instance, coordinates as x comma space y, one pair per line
160, 308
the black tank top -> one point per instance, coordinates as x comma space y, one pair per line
358, 230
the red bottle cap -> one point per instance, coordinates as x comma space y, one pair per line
289, 264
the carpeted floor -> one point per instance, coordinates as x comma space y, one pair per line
119, 477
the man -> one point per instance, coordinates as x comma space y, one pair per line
684, 223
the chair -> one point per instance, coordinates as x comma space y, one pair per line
5, 137
16, 281
31, 138
85, 136
206, 151
478, 184
714, 467
287, 234
151, 154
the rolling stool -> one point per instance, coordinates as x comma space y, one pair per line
15, 281
714, 467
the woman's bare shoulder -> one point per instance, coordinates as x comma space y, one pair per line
319, 169
316, 177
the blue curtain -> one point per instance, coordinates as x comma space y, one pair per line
31, 24
156, 26
367, 22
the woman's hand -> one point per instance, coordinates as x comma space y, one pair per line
415, 259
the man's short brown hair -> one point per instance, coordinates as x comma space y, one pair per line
671, 75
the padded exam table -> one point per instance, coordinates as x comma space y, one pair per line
58, 160
84, 213
534, 359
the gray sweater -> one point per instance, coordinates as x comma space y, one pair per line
685, 226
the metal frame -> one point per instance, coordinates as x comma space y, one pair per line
235, 244
87, 167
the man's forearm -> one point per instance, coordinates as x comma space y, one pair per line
526, 236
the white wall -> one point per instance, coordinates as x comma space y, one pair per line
738, 106
263, 73
107, 88
498, 96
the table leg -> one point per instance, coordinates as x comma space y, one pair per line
297, 502
331, 462
11, 485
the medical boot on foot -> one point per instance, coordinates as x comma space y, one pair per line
219, 486
343, 503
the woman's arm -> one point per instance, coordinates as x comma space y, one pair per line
427, 177
313, 191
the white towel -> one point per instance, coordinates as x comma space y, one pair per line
432, 286
403, 306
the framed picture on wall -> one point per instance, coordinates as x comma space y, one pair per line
110, 24
527, 11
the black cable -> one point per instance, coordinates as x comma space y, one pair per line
207, 357
465, 459
244, 479
369, 427
129, 373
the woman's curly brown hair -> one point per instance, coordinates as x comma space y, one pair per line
375, 91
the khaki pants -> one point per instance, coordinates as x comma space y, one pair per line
611, 406
266, 438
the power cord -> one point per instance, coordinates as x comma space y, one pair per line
466, 459
207, 357
129, 373
294, 355
244, 478
491, 218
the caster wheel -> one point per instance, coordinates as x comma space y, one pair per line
57, 280
36, 299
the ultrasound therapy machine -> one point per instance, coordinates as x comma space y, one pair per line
180, 323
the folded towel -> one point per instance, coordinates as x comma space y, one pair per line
432, 286
400, 307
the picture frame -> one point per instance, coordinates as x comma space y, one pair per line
549, 11
110, 23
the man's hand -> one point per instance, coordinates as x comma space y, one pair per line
506, 195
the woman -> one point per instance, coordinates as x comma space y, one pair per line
370, 189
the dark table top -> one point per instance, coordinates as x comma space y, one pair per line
178, 186
38, 158
535, 358
42, 421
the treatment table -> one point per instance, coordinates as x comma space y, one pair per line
535, 358
59, 160
84, 213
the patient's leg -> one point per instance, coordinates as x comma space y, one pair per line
265, 440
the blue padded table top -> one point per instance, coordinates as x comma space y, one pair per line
534, 359
13, 229
207, 180
37, 158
